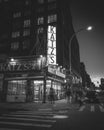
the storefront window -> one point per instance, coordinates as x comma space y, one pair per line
16, 87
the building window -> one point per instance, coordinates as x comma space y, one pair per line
40, 9
17, 87
40, 20
17, 14
52, 18
26, 32
26, 44
16, 25
40, 1
40, 30
27, 23
52, 6
15, 34
27, 13
14, 45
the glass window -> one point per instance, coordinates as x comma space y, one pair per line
16, 25
26, 44
15, 34
14, 45
52, 18
17, 14
26, 32
40, 20
40, 30
40, 1
17, 87
40, 9
52, 6
27, 13
27, 23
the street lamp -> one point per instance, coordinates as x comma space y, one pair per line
70, 42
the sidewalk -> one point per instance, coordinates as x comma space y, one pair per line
60, 104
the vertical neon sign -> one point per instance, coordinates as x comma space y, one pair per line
51, 45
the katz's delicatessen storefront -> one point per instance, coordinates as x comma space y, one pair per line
29, 80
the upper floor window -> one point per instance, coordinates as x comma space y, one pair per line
40, 20
26, 44
27, 23
40, 30
16, 25
40, 1
17, 14
52, 18
14, 45
52, 6
40, 9
27, 13
15, 34
26, 32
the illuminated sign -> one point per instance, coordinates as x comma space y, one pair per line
22, 65
51, 45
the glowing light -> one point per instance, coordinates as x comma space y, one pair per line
60, 116
89, 28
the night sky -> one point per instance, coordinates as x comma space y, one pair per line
84, 13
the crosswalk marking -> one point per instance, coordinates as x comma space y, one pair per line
92, 108
81, 108
28, 119
101, 108
9, 129
41, 118
25, 124
32, 116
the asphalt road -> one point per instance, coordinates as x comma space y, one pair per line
87, 117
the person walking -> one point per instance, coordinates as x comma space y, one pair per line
51, 95
68, 95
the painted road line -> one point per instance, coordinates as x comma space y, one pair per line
25, 124
36, 112
101, 108
82, 108
45, 109
32, 116
8, 129
92, 108
27, 119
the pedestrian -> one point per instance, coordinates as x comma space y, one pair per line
68, 95
80, 98
51, 95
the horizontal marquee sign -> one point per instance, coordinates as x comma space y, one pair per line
21, 66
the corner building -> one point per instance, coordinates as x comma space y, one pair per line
34, 49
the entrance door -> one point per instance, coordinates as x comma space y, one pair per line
38, 90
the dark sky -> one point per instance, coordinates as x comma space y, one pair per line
84, 13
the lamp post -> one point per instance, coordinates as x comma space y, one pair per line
70, 42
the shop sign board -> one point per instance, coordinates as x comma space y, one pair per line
56, 72
21, 66
51, 45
